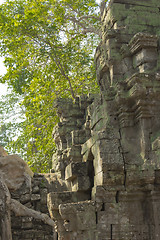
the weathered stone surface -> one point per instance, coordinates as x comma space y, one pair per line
15, 171
81, 184
78, 216
25, 198
22, 216
55, 199
74, 170
123, 124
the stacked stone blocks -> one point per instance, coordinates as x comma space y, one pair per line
122, 147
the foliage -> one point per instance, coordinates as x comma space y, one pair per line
48, 49
8, 112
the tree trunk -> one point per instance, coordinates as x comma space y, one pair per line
5, 218
7, 205
21, 210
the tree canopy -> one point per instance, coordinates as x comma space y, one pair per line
48, 47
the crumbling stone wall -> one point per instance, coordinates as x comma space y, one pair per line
28, 228
23, 200
108, 144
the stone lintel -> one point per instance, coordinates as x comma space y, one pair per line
142, 40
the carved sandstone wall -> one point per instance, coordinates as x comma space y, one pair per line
106, 184
109, 144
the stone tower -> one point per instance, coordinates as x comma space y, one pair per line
109, 144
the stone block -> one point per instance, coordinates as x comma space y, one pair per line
140, 3
48, 237
157, 177
106, 146
88, 144
111, 178
43, 208
140, 178
108, 162
89, 234
143, 41
55, 199
43, 194
78, 216
29, 234
102, 194
25, 198
74, 153
35, 189
80, 122
81, 184
106, 218
35, 197
97, 117
149, 56
74, 170
146, 67
78, 137
156, 144
111, 132
16, 222
27, 223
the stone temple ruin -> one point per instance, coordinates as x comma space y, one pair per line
106, 184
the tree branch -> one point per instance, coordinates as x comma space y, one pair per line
103, 6
88, 29
21, 210
60, 67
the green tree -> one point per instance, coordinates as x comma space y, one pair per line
11, 119
48, 49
